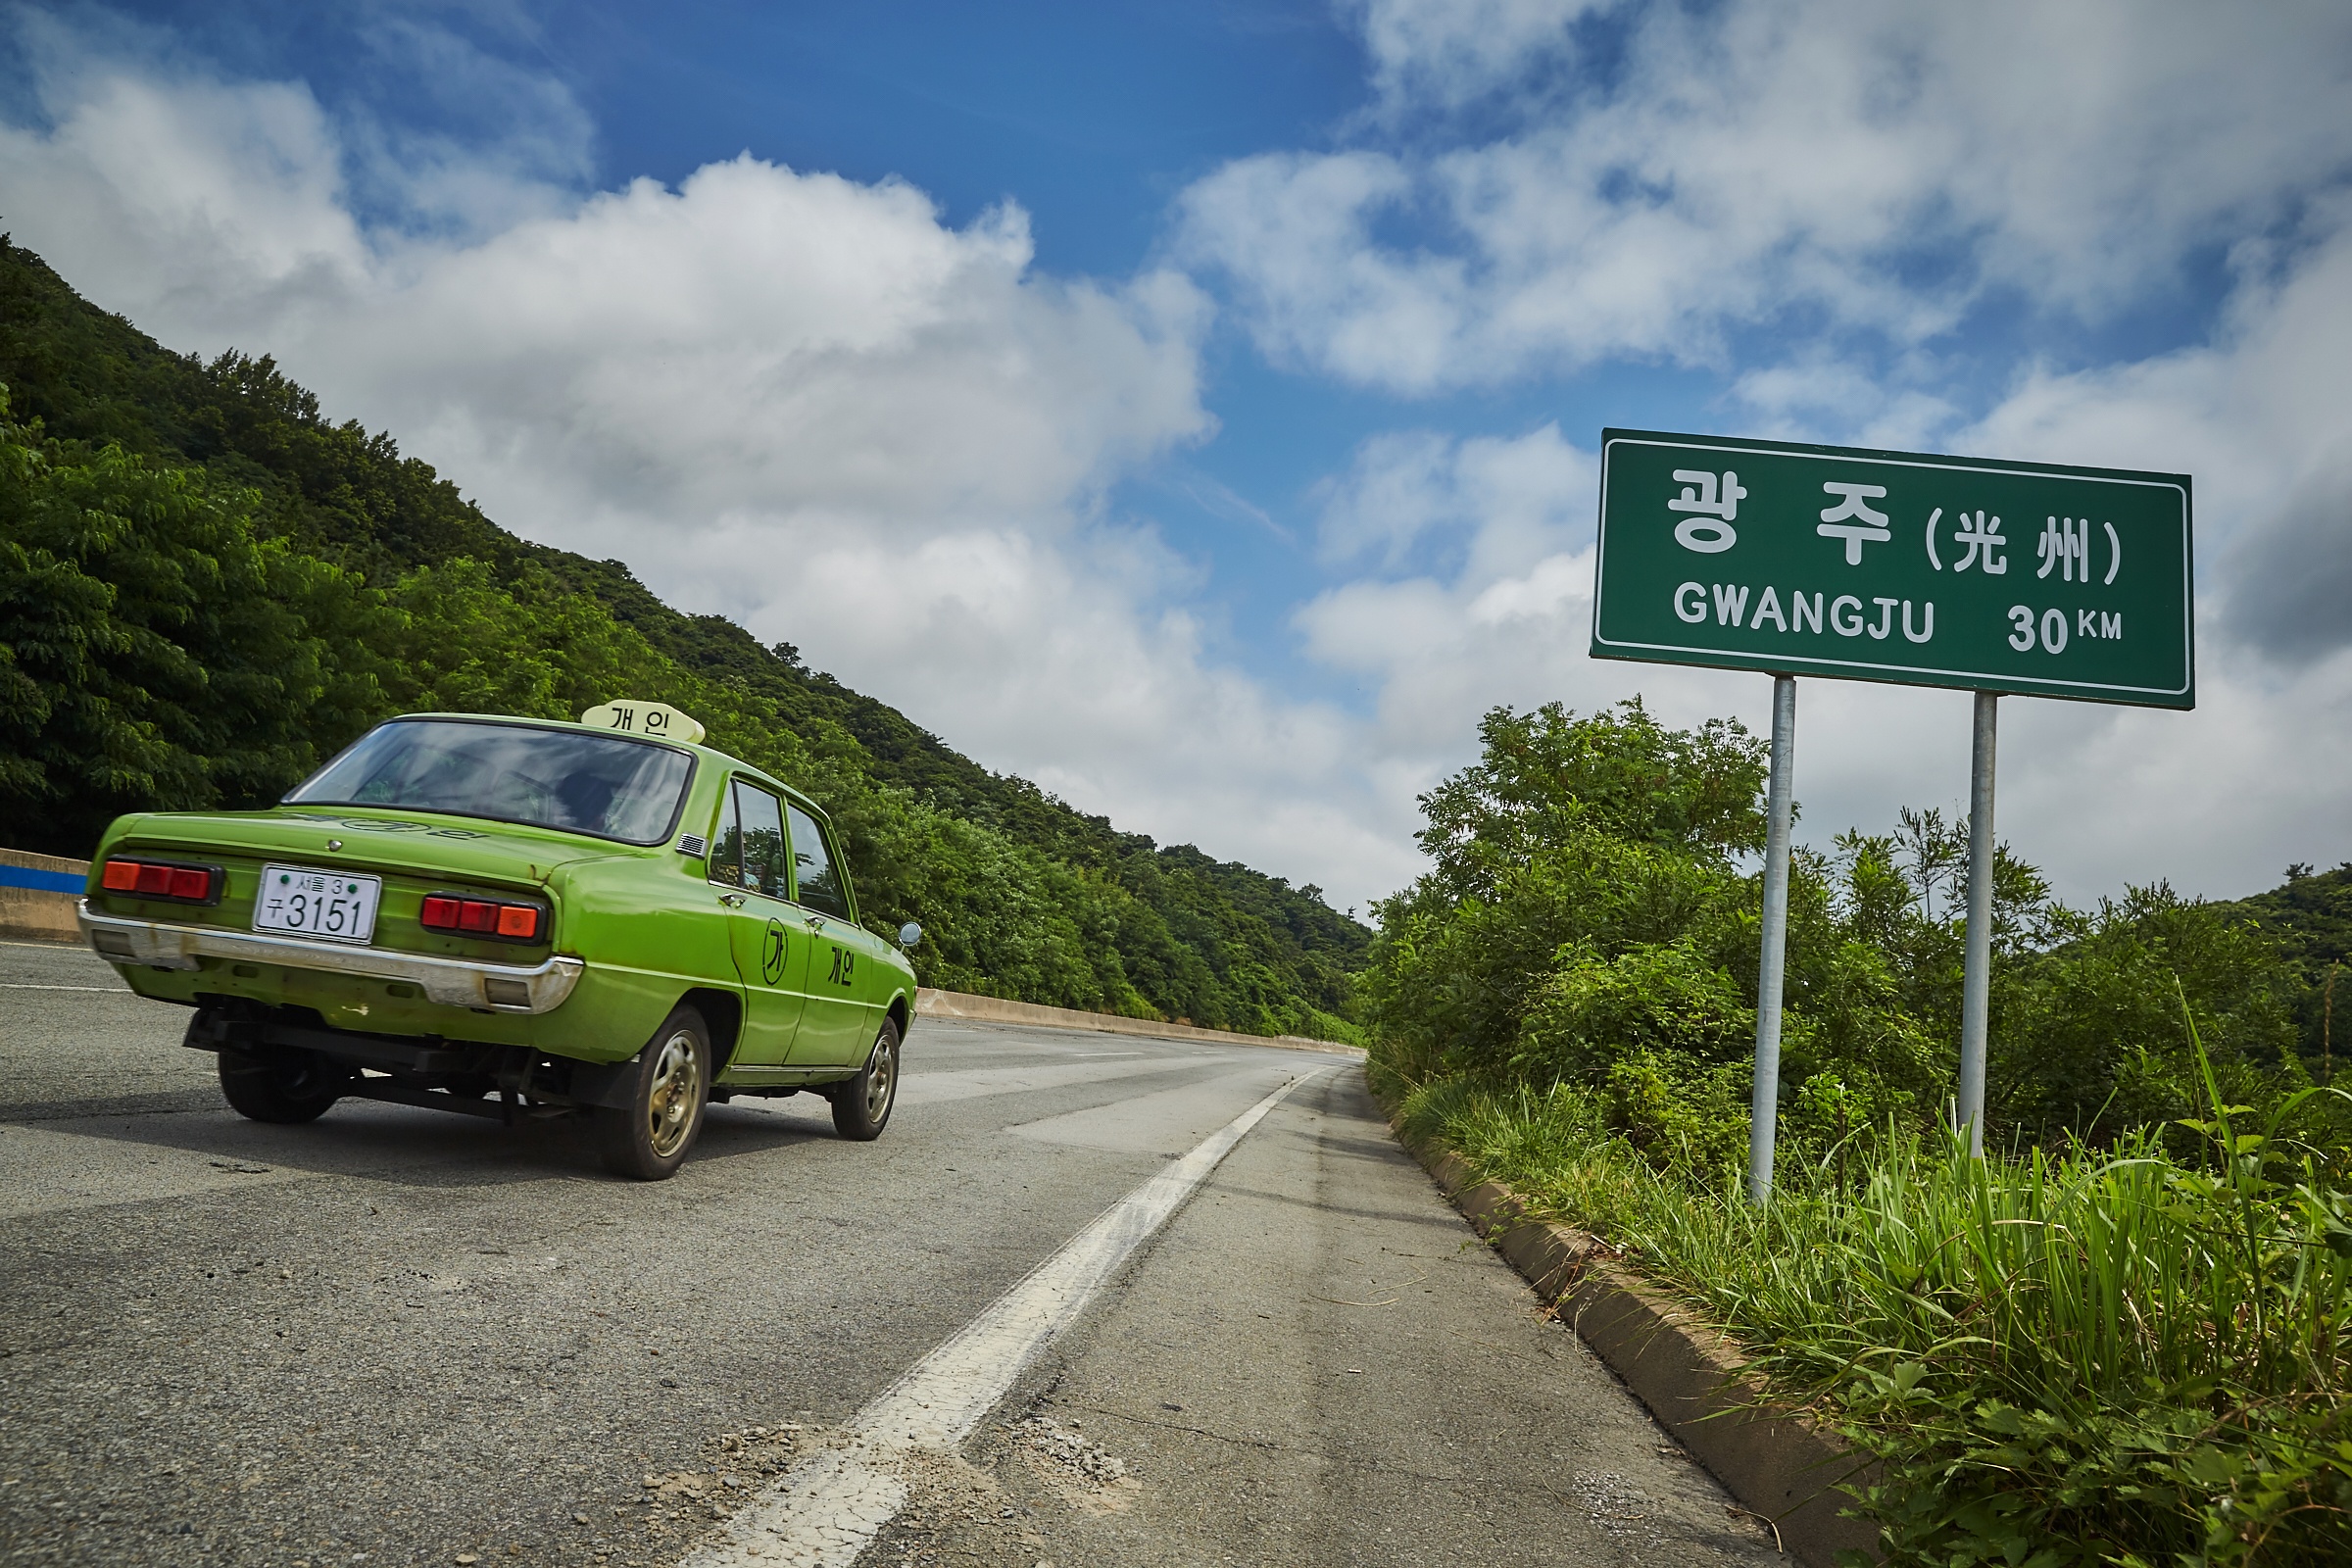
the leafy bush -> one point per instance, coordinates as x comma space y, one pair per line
1654, 998
2121, 976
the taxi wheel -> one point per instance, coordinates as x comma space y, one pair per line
669, 1085
861, 1104
283, 1086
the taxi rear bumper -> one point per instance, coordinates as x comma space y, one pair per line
470, 982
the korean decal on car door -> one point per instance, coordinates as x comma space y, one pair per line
837, 1025
769, 941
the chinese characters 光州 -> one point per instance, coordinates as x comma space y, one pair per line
1710, 504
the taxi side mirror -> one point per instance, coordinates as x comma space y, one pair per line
910, 934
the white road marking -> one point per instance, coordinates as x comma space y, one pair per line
828, 1507
1163, 1122
26, 985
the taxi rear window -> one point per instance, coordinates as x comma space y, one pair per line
580, 783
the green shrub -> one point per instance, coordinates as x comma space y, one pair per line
1652, 999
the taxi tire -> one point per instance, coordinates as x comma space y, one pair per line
854, 1114
286, 1086
624, 1135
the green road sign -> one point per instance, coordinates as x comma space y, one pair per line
1895, 566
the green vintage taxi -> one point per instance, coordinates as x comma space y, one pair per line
517, 918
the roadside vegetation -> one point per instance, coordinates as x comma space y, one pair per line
2124, 1337
207, 588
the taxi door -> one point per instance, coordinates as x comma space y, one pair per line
769, 941
837, 1025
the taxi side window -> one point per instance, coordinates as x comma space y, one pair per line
760, 816
750, 849
812, 862
727, 846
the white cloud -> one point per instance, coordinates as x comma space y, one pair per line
132, 189
798, 400
781, 344
1501, 616
216, 205
1885, 167
1453, 51
1500, 502
1797, 400
2251, 411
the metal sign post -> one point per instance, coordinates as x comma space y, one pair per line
1901, 566
1976, 975
1764, 1107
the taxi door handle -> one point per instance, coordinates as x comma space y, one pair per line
816, 922
733, 901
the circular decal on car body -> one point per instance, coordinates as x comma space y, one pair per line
771, 959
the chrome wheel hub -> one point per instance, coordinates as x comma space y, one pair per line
676, 1093
881, 1082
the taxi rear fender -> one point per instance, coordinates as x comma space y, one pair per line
723, 1015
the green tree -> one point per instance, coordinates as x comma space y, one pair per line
155, 650
1543, 774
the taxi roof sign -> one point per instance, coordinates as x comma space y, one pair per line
655, 720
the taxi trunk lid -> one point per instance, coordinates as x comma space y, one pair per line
416, 854
373, 840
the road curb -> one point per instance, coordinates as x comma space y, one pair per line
1777, 1463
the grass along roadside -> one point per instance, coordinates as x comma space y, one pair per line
2087, 1355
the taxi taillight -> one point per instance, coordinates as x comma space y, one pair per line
459, 915
163, 879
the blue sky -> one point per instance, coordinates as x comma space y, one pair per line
1193, 408
1089, 116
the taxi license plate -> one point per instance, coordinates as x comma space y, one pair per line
308, 901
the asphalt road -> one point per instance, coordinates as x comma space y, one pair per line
398, 1337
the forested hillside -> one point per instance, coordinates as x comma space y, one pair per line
2308, 920
207, 586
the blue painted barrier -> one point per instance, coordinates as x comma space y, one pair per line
25, 876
